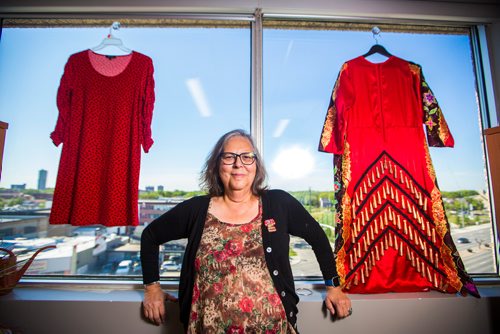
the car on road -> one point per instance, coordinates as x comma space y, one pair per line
173, 247
137, 268
170, 266
463, 240
124, 267
302, 245
108, 268
176, 258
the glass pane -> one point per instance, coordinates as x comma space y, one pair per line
202, 79
300, 70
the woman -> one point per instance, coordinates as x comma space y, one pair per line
236, 275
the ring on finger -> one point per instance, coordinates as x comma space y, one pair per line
349, 312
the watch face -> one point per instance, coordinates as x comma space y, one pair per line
336, 281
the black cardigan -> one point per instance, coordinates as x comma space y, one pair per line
187, 219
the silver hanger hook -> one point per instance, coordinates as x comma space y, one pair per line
376, 33
115, 26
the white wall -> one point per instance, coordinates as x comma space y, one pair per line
31, 310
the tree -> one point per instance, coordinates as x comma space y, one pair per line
459, 193
476, 204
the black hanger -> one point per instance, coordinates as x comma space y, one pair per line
377, 48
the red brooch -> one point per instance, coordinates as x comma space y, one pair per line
270, 224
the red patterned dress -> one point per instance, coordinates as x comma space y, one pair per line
392, 231
233, 290
105, 110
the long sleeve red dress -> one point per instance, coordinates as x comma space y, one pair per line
105, 111
391, 227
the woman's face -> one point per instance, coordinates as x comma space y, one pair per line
237, 176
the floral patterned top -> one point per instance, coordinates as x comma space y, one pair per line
233, 290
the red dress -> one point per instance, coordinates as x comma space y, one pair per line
105, 110
392, 231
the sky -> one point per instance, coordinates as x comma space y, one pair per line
202, 79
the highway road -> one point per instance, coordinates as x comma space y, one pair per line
478, 255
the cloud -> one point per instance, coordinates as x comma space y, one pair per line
293, 163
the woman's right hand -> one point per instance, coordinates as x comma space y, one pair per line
154, 303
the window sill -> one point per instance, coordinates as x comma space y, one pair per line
85, 307
132, 290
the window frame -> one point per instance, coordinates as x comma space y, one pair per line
258, 22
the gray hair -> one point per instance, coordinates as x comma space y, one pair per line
210, 179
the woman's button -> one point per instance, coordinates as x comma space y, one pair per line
283, 293
269, 249
275, 273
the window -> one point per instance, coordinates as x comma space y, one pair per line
300, 70
202, 78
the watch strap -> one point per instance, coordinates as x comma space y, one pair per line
334, 281
152, 283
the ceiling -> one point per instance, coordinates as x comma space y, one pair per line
481, 11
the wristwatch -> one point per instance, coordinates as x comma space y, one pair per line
152, 283
334, 281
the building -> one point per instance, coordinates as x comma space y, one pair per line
26, 226
150, 209
73, 255
160, 188
18, 186
150, 189
325, 203
42, 179
10, 194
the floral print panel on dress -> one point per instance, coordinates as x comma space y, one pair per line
233, 291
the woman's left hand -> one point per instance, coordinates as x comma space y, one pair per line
337, 302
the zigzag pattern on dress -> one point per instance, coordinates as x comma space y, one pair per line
390, 209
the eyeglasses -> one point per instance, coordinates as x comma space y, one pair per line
229, 158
